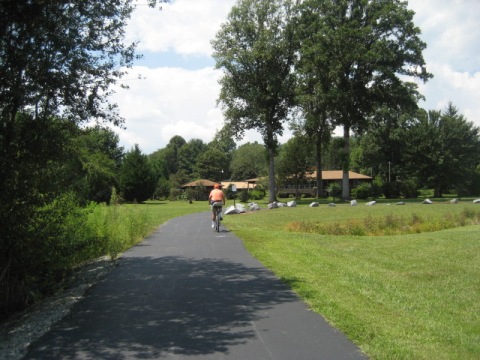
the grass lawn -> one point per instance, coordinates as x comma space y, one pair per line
407, 296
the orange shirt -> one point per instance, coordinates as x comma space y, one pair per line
216, 195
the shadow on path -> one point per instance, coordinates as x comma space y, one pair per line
151, 307
187, 292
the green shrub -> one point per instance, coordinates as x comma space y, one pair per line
162, 189
175, 194
426, 193
408, 189
243, 196
362, 191
391, 190
376, 188
55, 241
335, 190
256, 194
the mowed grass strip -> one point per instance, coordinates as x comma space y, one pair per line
414, 296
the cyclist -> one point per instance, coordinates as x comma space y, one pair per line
216, 200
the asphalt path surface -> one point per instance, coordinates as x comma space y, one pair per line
187, 292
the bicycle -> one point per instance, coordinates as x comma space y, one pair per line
217, 215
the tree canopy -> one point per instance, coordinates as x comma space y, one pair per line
62, 57
136, 178
58, 63
442, 150
249, 161
364, 49
254, 50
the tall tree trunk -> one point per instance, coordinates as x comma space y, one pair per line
271, 175
346, 163
318, 158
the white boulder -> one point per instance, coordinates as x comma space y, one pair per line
291, 204
427, 201
273, 205
231, 210
241, 208
353, 203
477, 201
253, 206
314, 204
371, 203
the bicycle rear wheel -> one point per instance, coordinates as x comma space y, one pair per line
217, 222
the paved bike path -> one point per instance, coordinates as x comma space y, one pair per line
187, 292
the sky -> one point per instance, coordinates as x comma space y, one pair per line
173, 89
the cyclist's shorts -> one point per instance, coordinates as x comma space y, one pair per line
217, 204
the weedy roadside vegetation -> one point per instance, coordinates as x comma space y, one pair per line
389, 224
65, 236
119, 227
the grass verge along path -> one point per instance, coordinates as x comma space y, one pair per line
413, 296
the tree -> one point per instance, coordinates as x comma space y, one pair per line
333, 153
171, 151
169, 155
58, 63
315, 129
254, 49
162, 189
35, 171
443, 149
364, 47
293, 161
384, 143
249, 161
312, 86
137, 181
213, 165
189, 153
62, 57
160, 174
224, 143
99, 158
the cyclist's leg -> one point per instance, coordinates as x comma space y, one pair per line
214, 213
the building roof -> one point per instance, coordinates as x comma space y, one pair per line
253, 181
200, 182
328, 175
240, 185
338, 175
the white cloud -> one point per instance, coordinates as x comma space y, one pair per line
450, 28
460, 88
169, 102
174, 101
183, 26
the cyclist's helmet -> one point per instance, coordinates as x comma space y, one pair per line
216, 186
